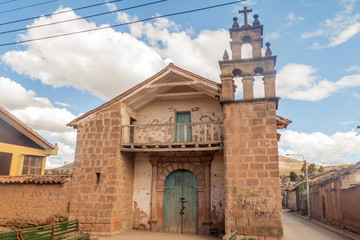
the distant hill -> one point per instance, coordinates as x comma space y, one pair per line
63, 170
289, 164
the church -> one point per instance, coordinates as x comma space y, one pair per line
179, 153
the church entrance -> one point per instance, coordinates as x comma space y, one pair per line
181, 203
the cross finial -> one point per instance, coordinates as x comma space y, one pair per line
245, 11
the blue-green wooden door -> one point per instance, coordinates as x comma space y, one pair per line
184, 117
181, 184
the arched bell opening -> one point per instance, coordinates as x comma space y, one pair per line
259, 84
246, 48
238, 88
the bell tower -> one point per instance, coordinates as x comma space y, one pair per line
251, 160
247, 68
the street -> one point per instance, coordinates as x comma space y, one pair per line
296, 228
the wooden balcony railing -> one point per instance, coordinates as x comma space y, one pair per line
196, 135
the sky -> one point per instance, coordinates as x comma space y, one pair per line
47, 83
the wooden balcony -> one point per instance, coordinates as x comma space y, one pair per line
176, 137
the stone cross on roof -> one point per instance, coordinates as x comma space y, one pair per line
245, 11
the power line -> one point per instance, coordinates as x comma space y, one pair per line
122, 24
61, 12
334, 149
7, 2
29, 6
79, 18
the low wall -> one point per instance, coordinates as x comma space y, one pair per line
27, 204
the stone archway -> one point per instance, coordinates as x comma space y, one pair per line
161, 168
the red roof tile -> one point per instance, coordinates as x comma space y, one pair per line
38, 179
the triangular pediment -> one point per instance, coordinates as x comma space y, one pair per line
172, 77
171, 82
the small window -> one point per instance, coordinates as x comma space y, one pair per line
32, 165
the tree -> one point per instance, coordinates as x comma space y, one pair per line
321, 169
312, 169
293, 176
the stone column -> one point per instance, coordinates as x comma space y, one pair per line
207, 222
269, 82
236, 50
227, 87
153, 219
256, 47
248, 86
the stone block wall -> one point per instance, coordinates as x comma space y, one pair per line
101, 194
26, 205
252, 185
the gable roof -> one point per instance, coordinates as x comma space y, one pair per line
161, 85
24, 129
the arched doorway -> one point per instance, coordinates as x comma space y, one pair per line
181, 203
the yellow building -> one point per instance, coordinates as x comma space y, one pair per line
22, 151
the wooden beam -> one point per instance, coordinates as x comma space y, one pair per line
194, 149
181, 94
174, 84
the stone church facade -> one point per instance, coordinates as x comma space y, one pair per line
178, 153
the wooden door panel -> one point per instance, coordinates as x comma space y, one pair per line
180, 130
190, 194
181, 184
172, 218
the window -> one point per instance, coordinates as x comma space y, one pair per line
32, 165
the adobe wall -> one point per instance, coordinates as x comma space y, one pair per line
101, 193
252, 185
27, 205
291, 201
351, 208
336, 201
142, 191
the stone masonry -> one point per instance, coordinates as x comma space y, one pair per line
252, 187
101, 194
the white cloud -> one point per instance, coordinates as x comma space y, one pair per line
338, 30
96, 60
339, 148
353, 68
63, 104
14, 96
299, 82
111, 6
65, 155
53, 119
291, 20
272, 36
91, 61
51, 124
